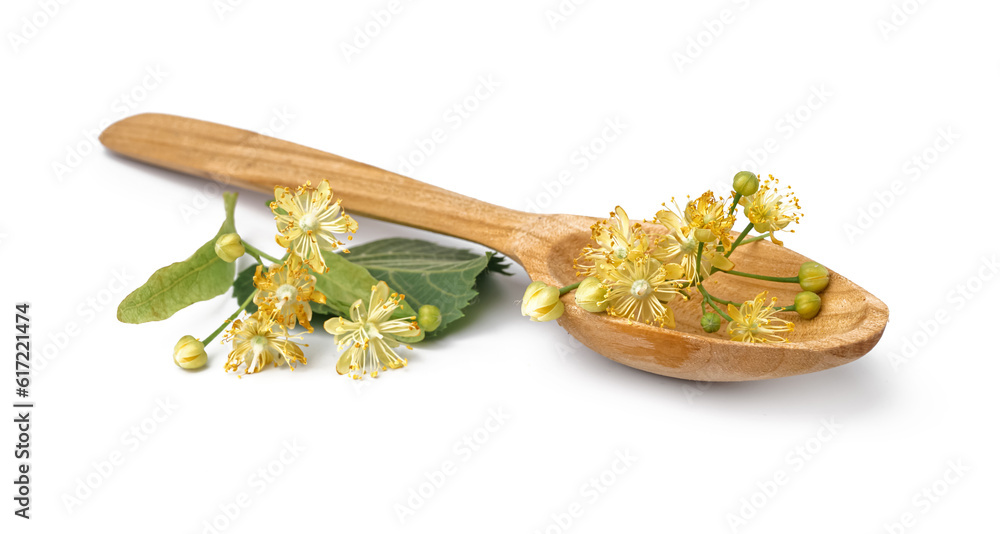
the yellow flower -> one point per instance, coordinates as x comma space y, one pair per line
770, 210
309, 222
755, 322
640, 290
615, 240
371, 335
259, 340
680, 246
708, 216
289, 291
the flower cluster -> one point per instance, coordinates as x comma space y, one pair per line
307, 225
637, 284
283, 297
635, 274
309, 222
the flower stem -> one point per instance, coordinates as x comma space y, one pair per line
567, 289
756, 238
708, 298
790, 308
701, 248
785, 279
739, 240
722, 301
230, 319
736, 201
257, 253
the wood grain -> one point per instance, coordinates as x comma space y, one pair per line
851, 323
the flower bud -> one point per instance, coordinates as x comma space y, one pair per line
808, 304
229, 247
591, 295
541, 302
189, 353
429, 317
711, 322
813, 277
746, 183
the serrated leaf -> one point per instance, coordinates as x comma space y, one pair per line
425, 272
201, 277
498, 264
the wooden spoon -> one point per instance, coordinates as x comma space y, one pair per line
851, 323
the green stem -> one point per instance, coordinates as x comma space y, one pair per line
736, 201
708, 298
722, 301
567, 289
230, 319
701, 248
739, 240
789, 308
258, 253
756, 238
785, 279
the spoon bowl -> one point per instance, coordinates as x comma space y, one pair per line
849, 326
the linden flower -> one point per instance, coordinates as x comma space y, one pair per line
770, 210
615, 240
755, 322
680, 246
640, 290
259, 340
370, 335
707, 216
289, 291
310, 222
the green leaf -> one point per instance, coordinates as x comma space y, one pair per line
201, 277
498, 264
425, 272
344, 284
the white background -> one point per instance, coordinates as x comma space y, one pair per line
694, 114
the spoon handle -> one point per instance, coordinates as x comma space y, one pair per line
258, 162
